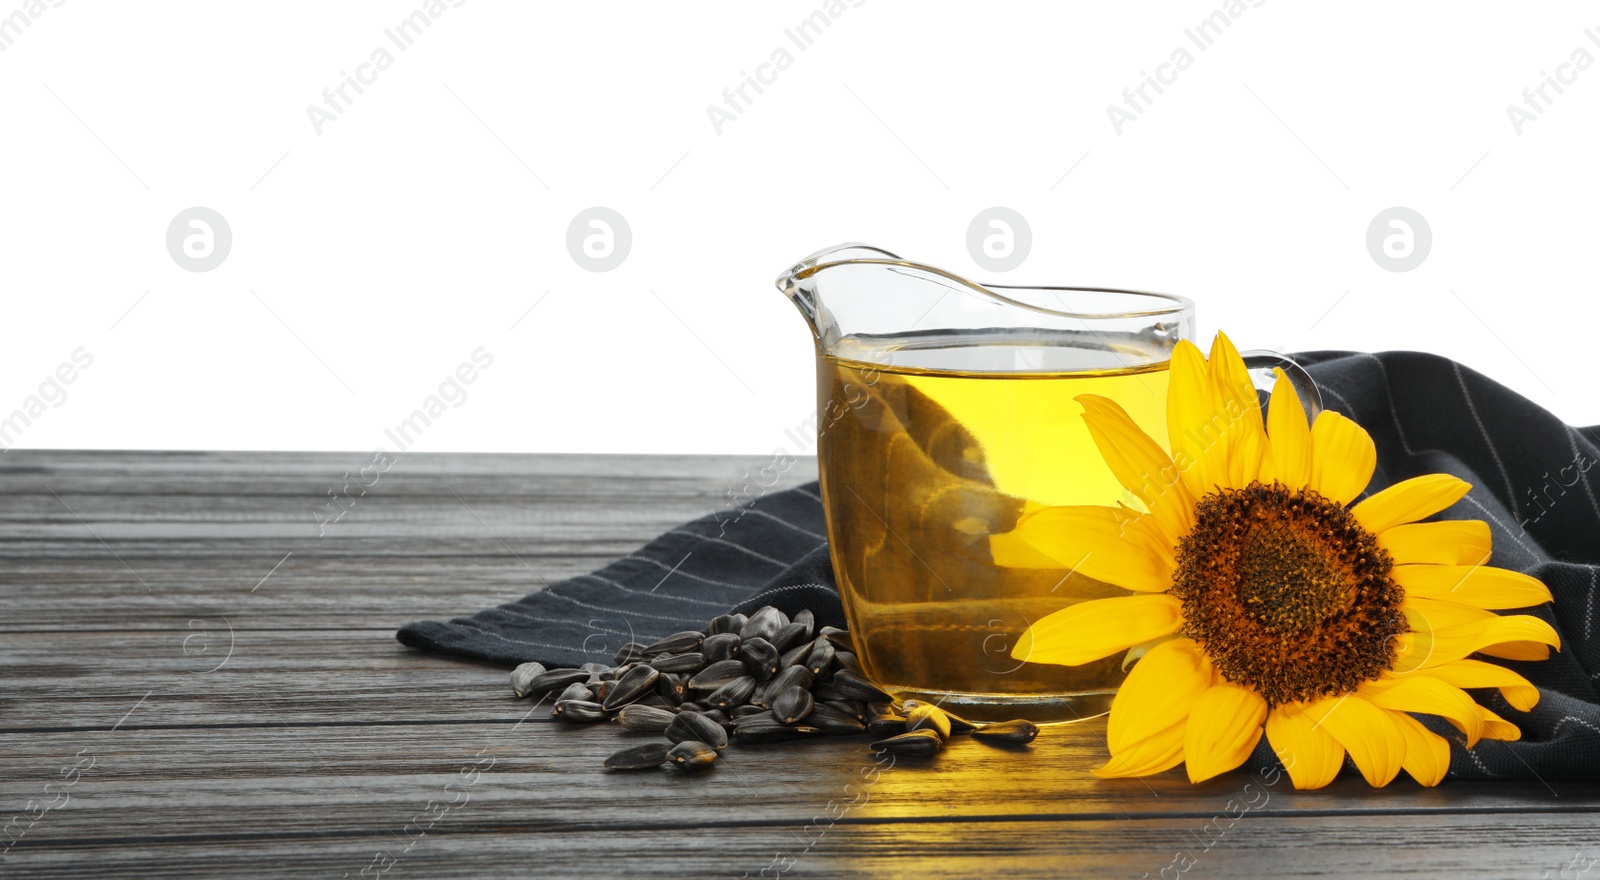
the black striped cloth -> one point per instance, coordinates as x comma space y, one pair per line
1533, 483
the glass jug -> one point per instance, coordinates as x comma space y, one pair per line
945, 412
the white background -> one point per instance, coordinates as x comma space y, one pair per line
371, 259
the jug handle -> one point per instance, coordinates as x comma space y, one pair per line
1262, 364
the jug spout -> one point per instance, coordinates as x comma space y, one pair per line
803, 287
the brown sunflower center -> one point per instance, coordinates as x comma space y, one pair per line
1287, 593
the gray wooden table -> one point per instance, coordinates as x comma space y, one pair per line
196, 683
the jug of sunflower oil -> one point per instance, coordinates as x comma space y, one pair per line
946, 410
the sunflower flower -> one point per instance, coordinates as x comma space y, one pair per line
1263, 603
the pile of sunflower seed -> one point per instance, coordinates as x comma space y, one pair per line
757, 679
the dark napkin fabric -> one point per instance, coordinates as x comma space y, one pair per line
1533, 483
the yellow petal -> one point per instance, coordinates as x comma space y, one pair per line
1449, 542
1427, 757
1233, 384
1426, 615
1195, 428
1480, 586
1011, 550
1224, 727
1521, 635
1096, 542
1143, 530
1244, 462
1235, 397
1342, 457
1495, 727
1517, 650
1518, 691
1312, 757
1139, 464
1153, 754
1420, 692
1366, 732
1132, 655
1289, 459
1158, 693
1408, 501
1090, 630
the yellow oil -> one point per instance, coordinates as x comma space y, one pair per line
919, 468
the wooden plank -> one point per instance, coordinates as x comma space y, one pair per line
306, 591
296, 772
59, 501
148, 540
1252, 847
25, 472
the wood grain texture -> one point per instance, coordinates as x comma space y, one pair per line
214, 723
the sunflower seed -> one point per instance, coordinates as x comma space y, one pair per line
854, 687
635, 684
760, 657
927, 716
745, 711
691, 706
677, 643
599, 669
825, 691
629, 653
1008, 733
718, 716
671, 687
764, 694
795, 655
575, 691
655, 700
733, 693
854, 708
601, 689
805, 618
717, 674
523, 676
638, 716
691, 755
727, 623
764, 728
792, 705
579, 711
763, 624
792, 676
958, 726
695, 726
792, 634
555, 678
840, 639
912, 744
642, 757
886, 724
832, 721
847, 660
692, 661
721, 646
821, 657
